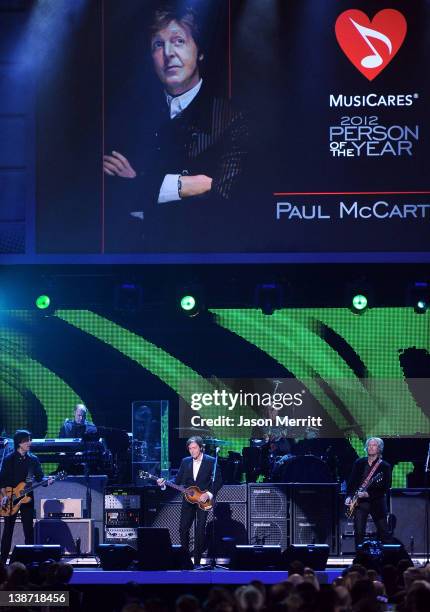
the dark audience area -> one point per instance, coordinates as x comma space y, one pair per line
404, 588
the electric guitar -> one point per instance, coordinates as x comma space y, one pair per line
191, 494
350, 511
20, 494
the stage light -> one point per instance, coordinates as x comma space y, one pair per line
190, 299
188, 302
421, 307
269, 297
43, 302
418, 296
359, 302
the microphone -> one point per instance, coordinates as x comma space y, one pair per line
217, 450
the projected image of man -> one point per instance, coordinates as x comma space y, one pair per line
195, 154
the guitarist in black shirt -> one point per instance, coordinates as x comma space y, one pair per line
195, 470
19, 466
371, 498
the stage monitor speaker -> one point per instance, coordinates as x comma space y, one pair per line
35, 553
409, 508
155, 551
249, 557
75, 536
311, 555
116, 556
314, 514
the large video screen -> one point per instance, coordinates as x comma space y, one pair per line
366, 375
215, 130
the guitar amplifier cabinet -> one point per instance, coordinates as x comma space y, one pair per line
268, 508
409, 509
314, 514
69, 533
18, 532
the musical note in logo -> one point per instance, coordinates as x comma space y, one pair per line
374, 60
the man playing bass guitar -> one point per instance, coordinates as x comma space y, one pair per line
195, 470
18, 467
370, 492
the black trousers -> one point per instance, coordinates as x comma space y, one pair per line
27, 514
189, 513
377, 509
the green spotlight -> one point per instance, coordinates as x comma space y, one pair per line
359, 302
188, 303
43, 302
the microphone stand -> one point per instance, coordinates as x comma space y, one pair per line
427, 503
212, 564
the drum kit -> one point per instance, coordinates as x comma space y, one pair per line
278, 459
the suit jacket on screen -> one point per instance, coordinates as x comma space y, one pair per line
209, 137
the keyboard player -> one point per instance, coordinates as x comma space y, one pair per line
77, 427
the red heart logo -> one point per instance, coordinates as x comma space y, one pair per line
370, 45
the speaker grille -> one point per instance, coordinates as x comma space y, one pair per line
230, 528
268, 531
168, 516
232, 493
268, 501
66, 532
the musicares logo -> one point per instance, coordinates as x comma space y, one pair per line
370, 45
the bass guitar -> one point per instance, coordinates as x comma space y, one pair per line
352, 507
191, 494
20, 494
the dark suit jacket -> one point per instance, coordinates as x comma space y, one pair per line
209, 137
204, 477
377, 490
17, 469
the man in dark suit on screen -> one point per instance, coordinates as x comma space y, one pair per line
193, 156
196, 470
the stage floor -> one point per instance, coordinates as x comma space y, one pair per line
83, 576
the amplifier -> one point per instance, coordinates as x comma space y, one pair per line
314, 514
75, 536
268, 501
122, 518
121, 535
61, 508
121, 499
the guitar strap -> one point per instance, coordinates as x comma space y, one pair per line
368, 478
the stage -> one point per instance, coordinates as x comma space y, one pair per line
87, 576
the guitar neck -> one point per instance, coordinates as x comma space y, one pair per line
169, 484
